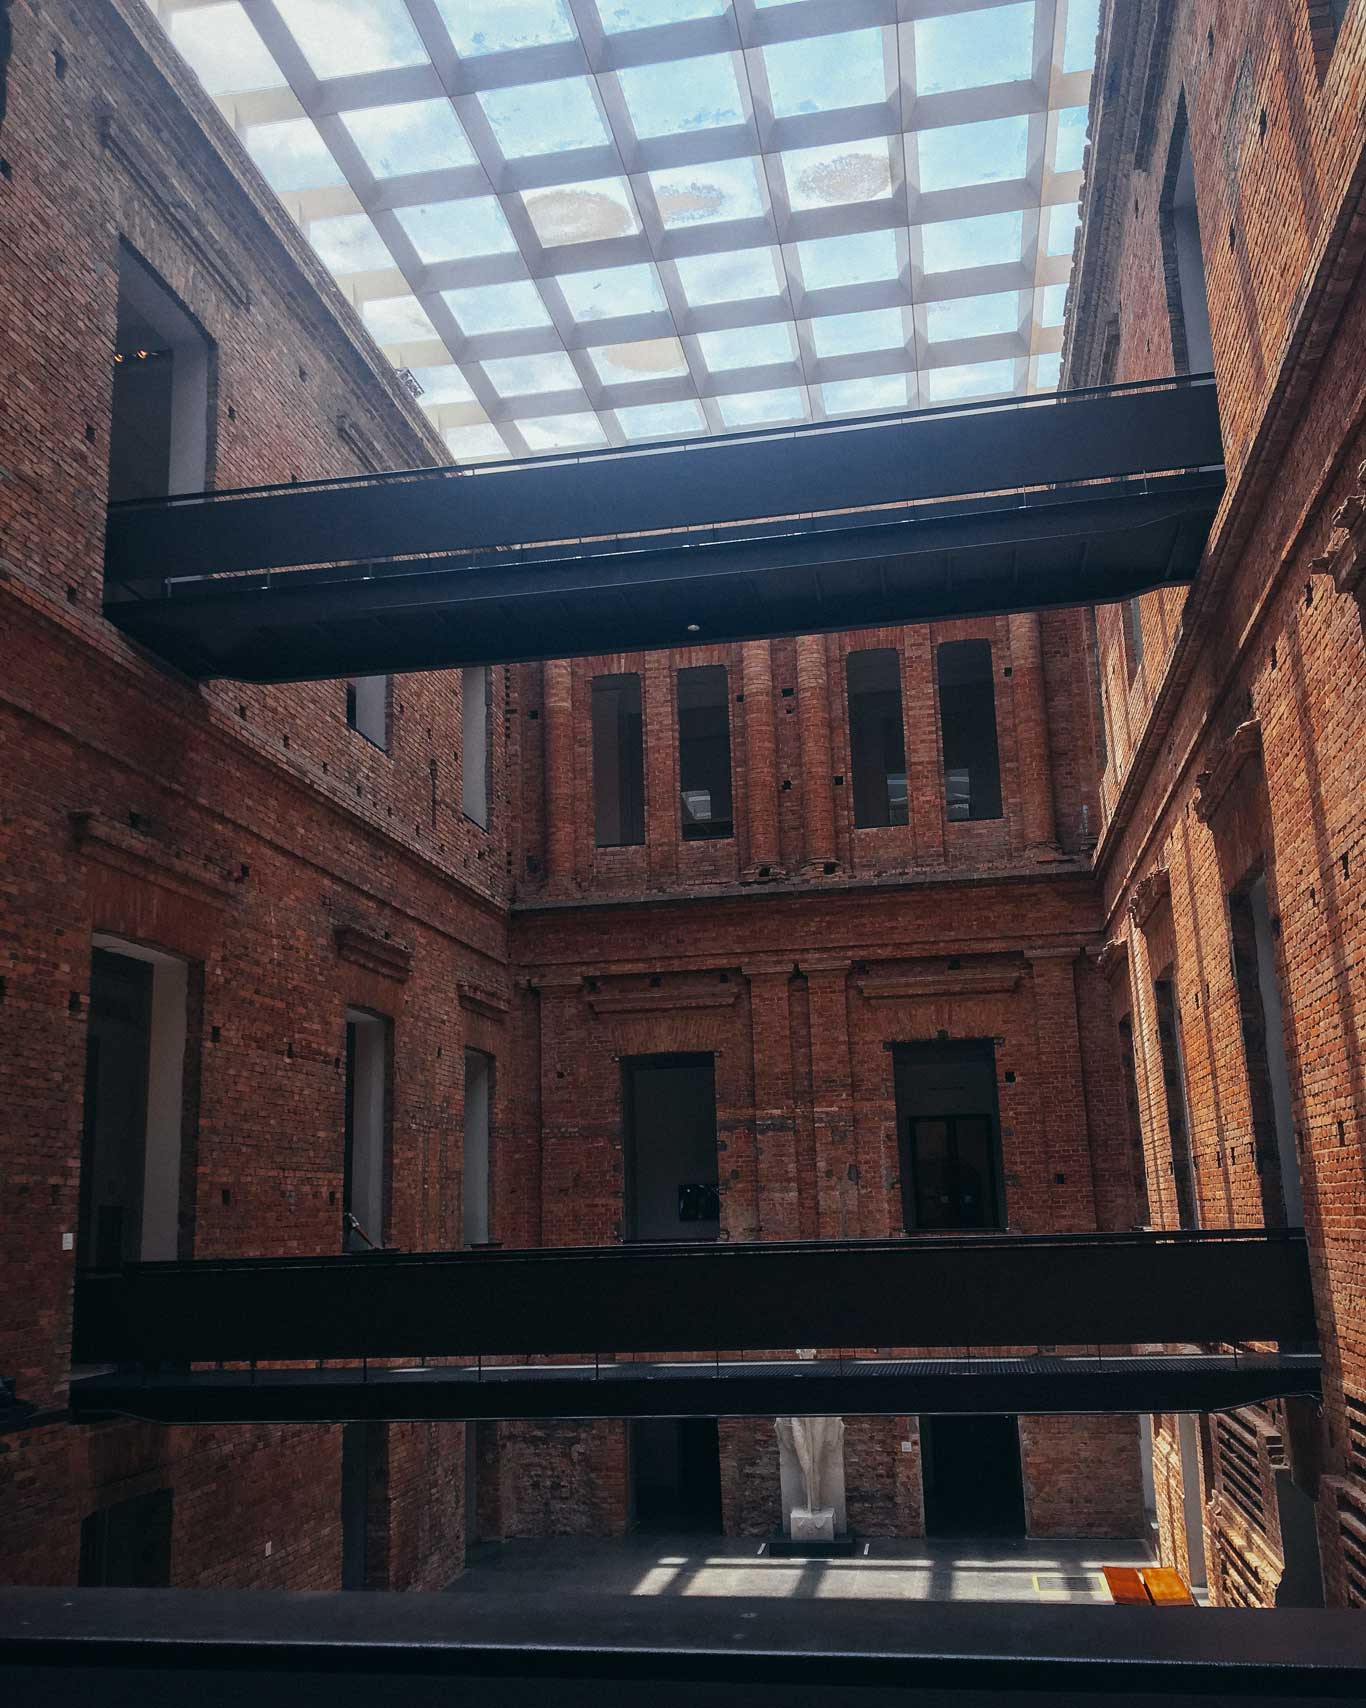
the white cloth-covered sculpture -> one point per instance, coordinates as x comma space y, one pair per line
811, 1477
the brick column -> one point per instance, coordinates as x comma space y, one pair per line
761, 761
813, 713
1061, 1100
1031, 733
770, 1019
662, 821
560, 815
837, 1207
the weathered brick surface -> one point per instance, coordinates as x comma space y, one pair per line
1273, 105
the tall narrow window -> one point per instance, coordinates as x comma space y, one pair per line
367, 708
704, 752
877, 742
1132, 614
367, 1131
1094, 664
1178, 1108
133, 1111
478, 1127
1187, 303
967, 720
1268, 1076
474, 743
618, 761
1133, 1120
159, 424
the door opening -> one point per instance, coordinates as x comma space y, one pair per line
973, 1482
949, 1130
676, 1474
128, 1545
365, 1165
671, 1173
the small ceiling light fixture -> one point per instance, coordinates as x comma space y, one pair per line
694, 628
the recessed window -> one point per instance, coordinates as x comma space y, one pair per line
618, 762
365, 1169
967, 721
1131, 612
704, 753
474, 743
1179, 223
367, 708
877, 742
159, 421
475, 1177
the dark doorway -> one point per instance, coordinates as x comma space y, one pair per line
671, 1176
676, 1474
949, 1135
128, 1545
114, 1130
972, 1478
362, 1449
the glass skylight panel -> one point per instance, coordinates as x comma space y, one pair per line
223, 49
523, 376
1069, 149
989, 151
838, 173
701, 195
857, 334
458, 231
410, 136
397, 320
514, 307
496, 26
582, 213
1079, 40
544, 118
613, 292
339, 38
1052, 305
662, 420
973, 317
349, 243
733, 277
646, 359
581, 431
1048, 370
967, 50
1062, 228
861, 259
618, 16
983, 241
867, 396
972, 379
679, 96
820, 73
748, 347
476, 444
444, 384
292, 155
762, 408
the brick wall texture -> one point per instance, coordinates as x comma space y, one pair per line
249, 830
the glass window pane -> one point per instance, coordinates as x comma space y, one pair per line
988, 151
544, 118
729, 278
611, 293
629, 364
867, 396
223, 49
479, 443
838, 174
983, 241
496, 26
877, 744
856, 334
1070, 145
620, 15
522, 376
967, 722
682, 95
968, 49
704, 752
763, 408
349, 243
513, 307
339, 38
618, 762
444, 384
582, 213
458, 231
973, 317
397, 320
1062, 228
971, 379
581, 431
748, 347
819, 73
865, 258
1052, 305
292, 155
662, 420
1079, 41
410, 136
701, 195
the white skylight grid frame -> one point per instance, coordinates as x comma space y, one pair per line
616, 202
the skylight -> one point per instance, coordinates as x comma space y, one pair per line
524, 197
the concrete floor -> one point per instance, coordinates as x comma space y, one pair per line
910, 1570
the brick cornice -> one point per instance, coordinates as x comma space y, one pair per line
1212, 785
376, 953
127, 850
1344, 557
660, 1001
482, 999
1149, 891
977, 981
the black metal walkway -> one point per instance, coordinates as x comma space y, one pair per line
849, 1387
1079, 498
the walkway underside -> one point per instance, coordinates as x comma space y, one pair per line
1082, 499
854, 1387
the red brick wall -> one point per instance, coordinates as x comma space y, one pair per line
1265, 635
